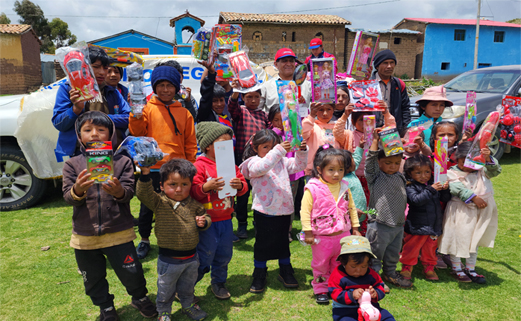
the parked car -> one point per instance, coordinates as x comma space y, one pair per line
490, 85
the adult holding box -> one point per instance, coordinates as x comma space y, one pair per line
317, 51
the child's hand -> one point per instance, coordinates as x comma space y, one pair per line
303, 145
360, 212
200, 220
78, 104
486, 154
145, 170
83, 183
315, 106
114, 188
418, 141
372, 291
207, 65
349, 109
361, 144
466, 135
188, 92
382, 104
480, 203
376, 138
437, 186
235, 85
309, 238
286, 145
357, 294
356, 232
301, 100
215, 184
445, 186
236, 183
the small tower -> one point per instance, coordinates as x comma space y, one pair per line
181, 23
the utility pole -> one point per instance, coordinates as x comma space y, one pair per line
477, 36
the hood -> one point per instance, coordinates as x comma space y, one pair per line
205, 160
155, 101
113, 139
344, 186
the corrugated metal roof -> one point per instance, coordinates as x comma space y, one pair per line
14, 29
403, 31
489, 23
234, 17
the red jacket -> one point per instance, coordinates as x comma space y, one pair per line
218, 209
323, 54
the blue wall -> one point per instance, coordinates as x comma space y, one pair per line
441, 47
136, 40
179, 25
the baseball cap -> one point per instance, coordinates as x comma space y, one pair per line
284, 52
355, 244
315, 43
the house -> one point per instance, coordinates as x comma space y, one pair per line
264, 34
185, 22
447, 45
135, 41
19, 59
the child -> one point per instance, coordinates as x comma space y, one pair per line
272, 205
326, 204
342, 99
215, 246
352, 277
424, 220
102, 224
172, 126
114, 75
471, 216
184, 95
418, 147
452, 132
179, 218
388, 198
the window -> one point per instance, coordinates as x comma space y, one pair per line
484, 65
257, 36
284, 36
293, 36
445, 65
320, 35
459, 35
499, 36
397, 41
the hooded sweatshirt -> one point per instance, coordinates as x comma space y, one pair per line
316, 134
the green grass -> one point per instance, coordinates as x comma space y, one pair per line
44, 285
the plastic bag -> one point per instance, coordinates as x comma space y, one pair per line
75, 62
365, 94
510, 123
142, 149
99, 161
136, 89
485, 135
241, 69
201, 44
391, 142
225, 40
289, 112
323, 84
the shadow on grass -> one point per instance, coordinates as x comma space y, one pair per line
513, 157
502, 263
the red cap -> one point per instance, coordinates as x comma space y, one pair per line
315, 43
284, 52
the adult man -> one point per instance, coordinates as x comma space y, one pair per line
317, 51
393, 89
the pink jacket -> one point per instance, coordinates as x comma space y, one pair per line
328, 216
316, 134
269, 178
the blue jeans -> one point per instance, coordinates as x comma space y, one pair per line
178, 276
351, 314
215, 250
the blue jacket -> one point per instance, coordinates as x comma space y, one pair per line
63, 118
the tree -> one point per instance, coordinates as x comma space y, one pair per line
60, 33
516, 21
4, 19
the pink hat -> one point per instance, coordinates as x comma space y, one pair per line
315, 43
284, 52
437, 93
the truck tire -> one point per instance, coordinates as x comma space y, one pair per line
19, 188
497, 149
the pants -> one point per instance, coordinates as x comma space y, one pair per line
145, 214
413, 244
215, 250
324, 260
294, 191
351, 314
179, 277
271, 237
241, 207
386, 244
124, 262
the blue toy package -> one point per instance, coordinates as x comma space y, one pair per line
201, 44
290, 113
136, 89
142, 149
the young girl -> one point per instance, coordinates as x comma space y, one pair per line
452, 132
326, 204
418, 147
352, 161
268, 171
424, 220
471, 217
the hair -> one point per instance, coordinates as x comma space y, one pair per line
249, 92
423, 104
463, 150
344, 89
184, 168
356, 115
119, 69
218, 91
435, 128
172, 63
325, 156
356, 257
97, 118
348, 159
96, 53
261, 137
416, 161
274, 110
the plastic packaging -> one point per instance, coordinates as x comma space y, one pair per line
485, 135
121, 58
369, 126
201, 44
323, 84
301, 237
469, 121
142, 149
136, 89
366, 311
365, 94
289, 112
391, 142
510, 123
99, 161
440, 160
241, 68
411, 134
226, 39
362, 55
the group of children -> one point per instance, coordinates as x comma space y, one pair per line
344, 178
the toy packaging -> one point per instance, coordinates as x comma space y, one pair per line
201, 44
411, 134
225, 40
136, 89
362, 54
510, 123
121, 58
225, 164
76, 64
323, 84
440, 160
366, 310
242, 70
485, 135
289, 112
142, 149
99, 161
369, 126
299, 76
469, 121
391, 142
365, 94
301, 237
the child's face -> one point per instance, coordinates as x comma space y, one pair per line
176, 187
252, 100
390, 165
357, 269
264, 149
342, 99
434, 109
218, 105
210, 150
421, 174
325, 113
90, 132
449, 132
461, 161
113, 77
412, 148
165, 91
359, 124
100, 71
277, 121
332, 172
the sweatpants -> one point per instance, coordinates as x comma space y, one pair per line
146, 215
324, 260
175, 276
215, 250
124, 262
386, 244
414, 244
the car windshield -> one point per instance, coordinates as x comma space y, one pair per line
245, 74
490, 81
74, 65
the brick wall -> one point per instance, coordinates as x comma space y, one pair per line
32, 61
59, 70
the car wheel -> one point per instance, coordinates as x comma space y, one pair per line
19, 188
496, 148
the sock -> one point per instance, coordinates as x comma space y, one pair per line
456, 263
285, 261
259, 264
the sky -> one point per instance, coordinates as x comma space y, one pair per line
93, 19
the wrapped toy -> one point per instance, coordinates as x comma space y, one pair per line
99, 161
323, 84
365, 94
289, 112
241, 69
369, 126
136, 89
201, 44
391, 142
469, 121
75, 63
142, 149
440, 160
301, 237
362, 54
411, 134
225, 40
510, 123
366, 311
485, 135
120, 58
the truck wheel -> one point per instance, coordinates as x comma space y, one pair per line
19, 188
496, 148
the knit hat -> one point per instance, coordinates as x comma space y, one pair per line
167, 73
207, 132
355, 244
383, 56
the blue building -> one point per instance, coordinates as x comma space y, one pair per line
185, 22
138, 42
448, 45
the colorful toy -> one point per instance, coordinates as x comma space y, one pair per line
485, 135
362, 54
469, 121
411, 134
323, 84
391, 141
366, 311
301, 237
289, 111
121, 58
201, 44
99, 161
225, 40
369, 126
300, 74
142, 149
242, 70
440, 160
365, 94
510, 123
136, 89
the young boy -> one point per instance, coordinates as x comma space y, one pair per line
68, 107
352, 277
179, 218
188, 102
215, 246
389, 199
172, 126
102, 224
114, 75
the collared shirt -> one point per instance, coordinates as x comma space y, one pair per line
271, 96
386, 89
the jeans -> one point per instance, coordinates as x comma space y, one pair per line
179, 277
386, 244
215, 250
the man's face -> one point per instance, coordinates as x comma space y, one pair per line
317, 51
286, 67
386, 68
100, 71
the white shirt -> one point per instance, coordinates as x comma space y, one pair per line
271, 96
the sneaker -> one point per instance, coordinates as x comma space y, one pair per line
145, 307
259, 280
220, 291
440, 264
235, 238
242, 232
386, 289
397, 279
286, 276
322, 298
165, 316
195, 300
108, 314
476, 278
406, 271
194, 312
461, 276
430, 274
142, 250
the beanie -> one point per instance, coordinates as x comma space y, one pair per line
207, 132
383, 56
167, 73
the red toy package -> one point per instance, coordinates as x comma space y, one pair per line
242, 70
365, 94
510, 122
